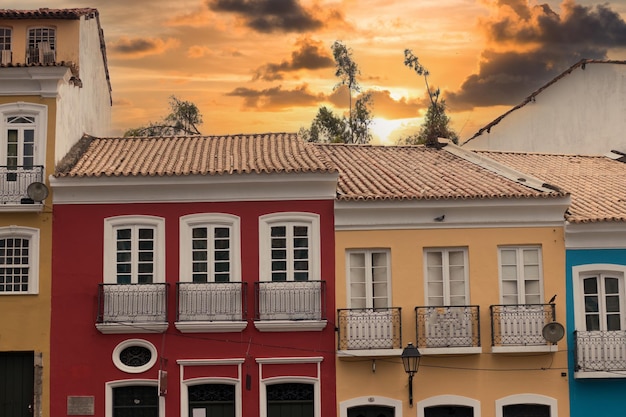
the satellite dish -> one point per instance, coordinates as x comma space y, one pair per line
553, 332
37, 191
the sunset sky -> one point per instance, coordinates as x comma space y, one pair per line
256, 66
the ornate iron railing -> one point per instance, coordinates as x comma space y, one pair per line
290, 300
447, 326
145, 303
600, 351
211, 301
369, 328
14, 180
520, 324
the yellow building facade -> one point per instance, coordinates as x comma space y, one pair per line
46, 104
460, 258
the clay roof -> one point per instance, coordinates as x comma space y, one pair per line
45, 13
597, 184
191, 155
531, 98
417, 173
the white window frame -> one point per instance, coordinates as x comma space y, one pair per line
184, 394
579, 273
445, 269
527, 399
317, 397
134, 369
39, 112
268, 221
521, 293
10, 38
108, 395
448, 400
369, 296
189, 222
52, 40
111, 224
32, 235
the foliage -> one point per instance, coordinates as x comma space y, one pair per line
436, 123
328, 127
183, 119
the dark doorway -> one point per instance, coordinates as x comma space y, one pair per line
526, 410
449, 411
371, 411
217, 400
136, 401
17, 380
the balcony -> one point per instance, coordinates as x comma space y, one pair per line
600, 354
448, 329
290, 305
211, 307
519, 327
132, 308
14, 182
41, 54
369, 332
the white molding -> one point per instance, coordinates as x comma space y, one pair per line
370, 400
597, 235
577, 291
134, 327
527, 399
36, 80
368, 284
209, 219
264, 382
185, 384
290, 360
115, 355
448, 400
40, 113
108, 395
110, 225
194, 188
524, 349
33, 236
599, 375
459, 213
364, 353
452, 351
210, 326
22, 208
290, 325
204, 362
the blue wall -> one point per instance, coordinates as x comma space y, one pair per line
592, 397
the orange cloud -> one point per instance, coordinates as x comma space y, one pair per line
140, 47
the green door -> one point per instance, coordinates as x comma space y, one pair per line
17, 377
371, 411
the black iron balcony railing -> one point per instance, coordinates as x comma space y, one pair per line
369, 328
600, 351
447, 326
520, 324
42, 54
211, 301
290, 300
132, 303
14, 180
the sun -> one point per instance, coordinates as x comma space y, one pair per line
382, 130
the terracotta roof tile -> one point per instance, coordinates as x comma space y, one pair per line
45, 13
417, 173
597, 184
191, 155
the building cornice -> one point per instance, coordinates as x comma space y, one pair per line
33, 80
595, 235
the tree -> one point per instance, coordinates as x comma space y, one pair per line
183, 119
437, 123
326, 126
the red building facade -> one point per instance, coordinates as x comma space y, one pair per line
193, 277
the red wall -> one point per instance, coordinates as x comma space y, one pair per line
81, 357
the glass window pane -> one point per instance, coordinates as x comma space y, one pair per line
593, 322
590, 285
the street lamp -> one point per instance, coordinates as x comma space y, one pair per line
411, 361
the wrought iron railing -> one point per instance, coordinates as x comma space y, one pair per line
600, 351
14, 180
290, 300
369, 328
145, 303
447, 326
211, 301
40, 55
520, 324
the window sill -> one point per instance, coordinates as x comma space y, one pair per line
599, 374
290, 325
360, 353
134, 327
524, 349
460, 350
22, 208
210, 326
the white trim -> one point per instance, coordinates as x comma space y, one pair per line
312, 220
445, 269
188, 222
290, 325
448, 400
33, 235
194, 188
451, 350
41, 81
368, 296
305, 359
40, 113
370, 400
210, 326
112, 223
203, 362
459, 213
522, 349
130, 328
108, 396
392, 353
136, 369
184, 391
597, 235
263, 383
521, 278
527, 399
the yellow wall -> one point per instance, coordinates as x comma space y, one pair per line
485, 377
25, 323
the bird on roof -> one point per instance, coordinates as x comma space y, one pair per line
552, 299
